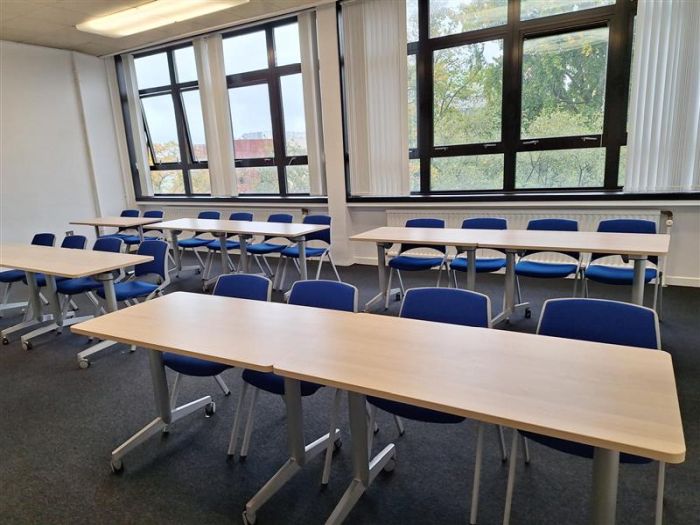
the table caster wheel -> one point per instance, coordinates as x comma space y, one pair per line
83, 363
528, 313
398, 296
390, 465
5, 341
117, 466
26, 345
249, 518
210, 409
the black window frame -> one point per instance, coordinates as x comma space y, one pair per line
175, 89
270, 76
618, 17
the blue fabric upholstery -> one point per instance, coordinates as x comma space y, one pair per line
600, 321
44, 239
216, 245
284, 218
423, 223
241, 216
159, 265
131, 289
544, 270
11, 276
193, 242
483, 264
293, 251
413, 412
324, 235
485, 223
447, 305
131, 240
74, 242
410, 263
40, 239
192, 366
209, 214
625, 226
244, 286
78, 285
564, 225
263, 248
108, 244
274, 384
331, 295
126, 213
616, 275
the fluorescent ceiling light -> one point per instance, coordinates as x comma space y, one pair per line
154, 14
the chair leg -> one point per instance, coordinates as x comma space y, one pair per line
585, 287
275, 283
219, 381
267, 265
502, 442
517, 289
388, 289
454, 278
199, 259
511, 477
439, 279
477, 473
233, 443
207, 266
73, 305
575, 283
372, 410
335, 270
256, 258
399, 425
175, 391
249, 424
661, 481
403, 289
320, 264
283, 277
526, 449
331, 442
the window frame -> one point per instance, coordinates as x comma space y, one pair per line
271, 76
175, 89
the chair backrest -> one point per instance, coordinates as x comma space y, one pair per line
241, 216
209, 215
625, 226
108, 244
129, 213
280, 217
602, 321
323, 235
76, 242
423, 223
447, 305
153, 214
485, 223
44, 239
331, 295
564, 225
159, 265
244, 286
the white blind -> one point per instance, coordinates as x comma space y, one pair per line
664, 128
374, 54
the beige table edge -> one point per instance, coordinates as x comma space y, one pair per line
245, 227
116, 221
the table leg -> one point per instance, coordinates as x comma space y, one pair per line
37, 316
383, 278
140, 230
244, 262
606, 464
176, 252
224, 253
509, 293
301, 242
640, 264
97, 232
364, 471
107, 280
298, 452
471, 268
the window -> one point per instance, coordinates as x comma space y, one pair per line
266, 99
517, 95
172, 116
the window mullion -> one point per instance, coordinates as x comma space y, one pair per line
424, 95
180, 125
512, 95
276, 115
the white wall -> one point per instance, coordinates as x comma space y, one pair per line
50, 173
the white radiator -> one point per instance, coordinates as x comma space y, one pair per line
517, 220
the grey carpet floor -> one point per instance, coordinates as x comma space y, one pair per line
58, 425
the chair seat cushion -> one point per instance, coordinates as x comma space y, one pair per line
193, 242
274, 384
130, 290
483, 265
191, 366
414, 412
411, 263
293, 251
78, 285
262, 248
131, 240
216, 245
41, 279
614, 275
544, 270
577, 449
11, 276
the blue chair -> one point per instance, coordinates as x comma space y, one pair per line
412, 263
483, 264
618, 275
440, 305
9, 277
259, 250
121, 232
545, 270
197, 241
132, 240
317, 294
311, 252
214, 246
73, 242
242, 286
601, 321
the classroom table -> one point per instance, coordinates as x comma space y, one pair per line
118, 222
222, 229
464, 240
61, 262
615, 398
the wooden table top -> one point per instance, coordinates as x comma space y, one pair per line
65, 262
603, 395
118, 222
276, 229
589, 242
